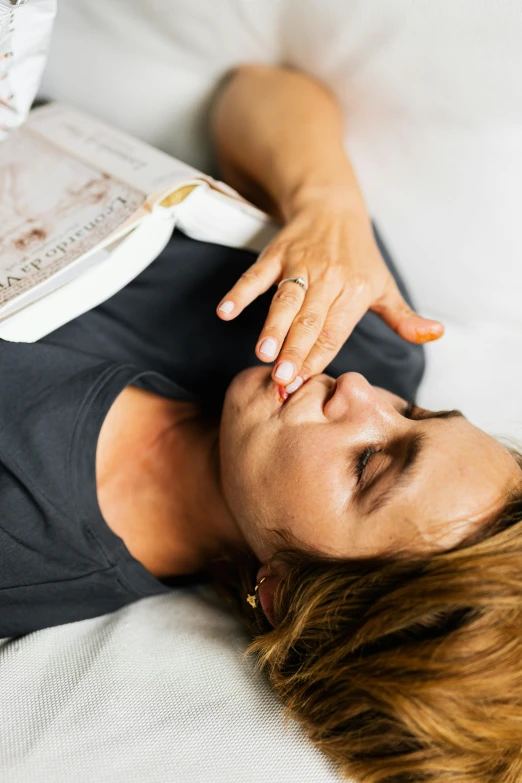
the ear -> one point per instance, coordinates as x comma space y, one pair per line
266, 592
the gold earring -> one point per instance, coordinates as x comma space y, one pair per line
252, 599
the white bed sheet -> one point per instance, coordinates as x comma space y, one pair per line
156, 692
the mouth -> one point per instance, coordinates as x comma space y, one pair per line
285, 395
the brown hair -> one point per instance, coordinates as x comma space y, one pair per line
401, 669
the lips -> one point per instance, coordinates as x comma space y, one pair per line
285, 396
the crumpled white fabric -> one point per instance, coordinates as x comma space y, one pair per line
25, 35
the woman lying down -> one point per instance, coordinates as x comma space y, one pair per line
372, 547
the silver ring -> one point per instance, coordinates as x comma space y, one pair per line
299, 280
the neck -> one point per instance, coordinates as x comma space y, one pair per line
203, 527
159, 484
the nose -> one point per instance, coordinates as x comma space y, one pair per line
357, 401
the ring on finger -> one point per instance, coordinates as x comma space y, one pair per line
299, 280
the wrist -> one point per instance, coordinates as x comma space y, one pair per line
332, 194
329, 180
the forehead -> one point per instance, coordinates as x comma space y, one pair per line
463, 475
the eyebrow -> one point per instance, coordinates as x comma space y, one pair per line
415, 447
454, 414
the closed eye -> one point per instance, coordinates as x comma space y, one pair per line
363, 460
366, 454
414, 447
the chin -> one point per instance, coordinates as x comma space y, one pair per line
245, 386
240, 395
256, 375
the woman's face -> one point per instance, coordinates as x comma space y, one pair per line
354, 474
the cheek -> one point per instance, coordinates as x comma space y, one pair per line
250, 470
305, 490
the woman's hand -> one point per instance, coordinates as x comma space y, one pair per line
328, 241
279, 137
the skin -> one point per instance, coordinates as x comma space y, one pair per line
279, 137
281, 141
267, 465
287, 467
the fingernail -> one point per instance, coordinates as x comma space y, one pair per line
284, 371
292, 387
227, 307
268, 346
428, 333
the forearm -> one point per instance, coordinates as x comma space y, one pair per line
279, 139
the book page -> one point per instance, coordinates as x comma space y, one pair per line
54, 209
110, 150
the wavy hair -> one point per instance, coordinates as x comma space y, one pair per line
403, 669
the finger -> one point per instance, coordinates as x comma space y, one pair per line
340, 322
285, 305
308, 331
253, 282
408, 324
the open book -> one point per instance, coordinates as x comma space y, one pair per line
84, 208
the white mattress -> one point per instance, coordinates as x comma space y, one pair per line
158, 691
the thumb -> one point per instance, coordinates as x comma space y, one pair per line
396, 312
